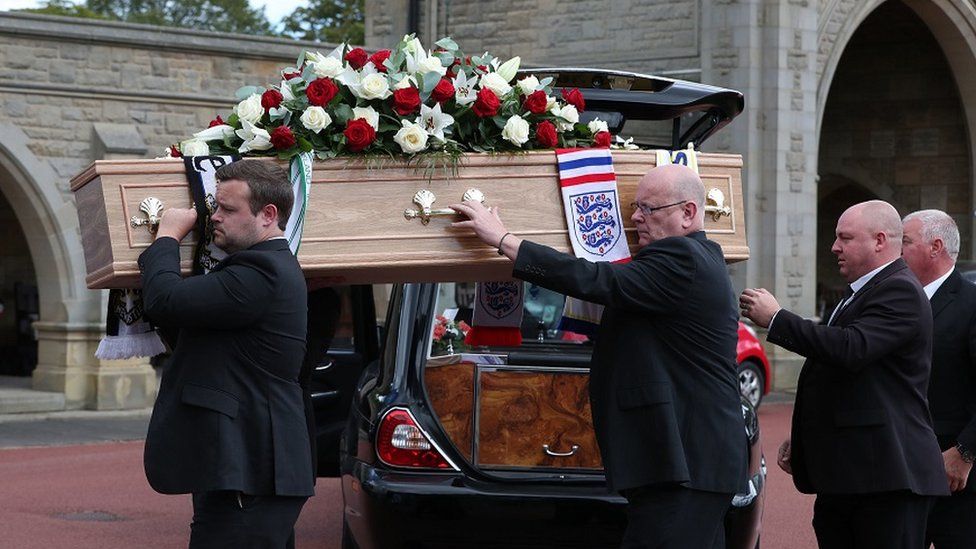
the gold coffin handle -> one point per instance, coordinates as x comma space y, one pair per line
426, 198
715, 204
153, 208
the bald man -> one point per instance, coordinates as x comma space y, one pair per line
862, 437
663, 386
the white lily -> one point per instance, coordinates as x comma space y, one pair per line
286, 92
434, 121
596, 125
464, 92
509, 68
255, 138
626, 144
216, 133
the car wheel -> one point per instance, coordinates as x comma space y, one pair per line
347, 541
752, 381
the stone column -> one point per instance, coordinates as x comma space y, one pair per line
767, 49
66, 364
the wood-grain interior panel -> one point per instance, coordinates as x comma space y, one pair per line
520, 411
450, 390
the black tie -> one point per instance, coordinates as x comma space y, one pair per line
848, 293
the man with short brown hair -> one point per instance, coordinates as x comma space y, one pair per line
229, 424
862, 436
930, 247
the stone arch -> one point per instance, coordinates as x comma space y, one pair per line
50, 225
952, 23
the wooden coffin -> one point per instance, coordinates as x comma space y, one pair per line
515, 417
356, 230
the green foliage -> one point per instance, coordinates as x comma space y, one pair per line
330, 21
65, 8
214, 15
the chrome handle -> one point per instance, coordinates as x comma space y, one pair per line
425, 199
715, 204
153, 208
560, 454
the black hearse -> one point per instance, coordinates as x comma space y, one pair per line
439, 446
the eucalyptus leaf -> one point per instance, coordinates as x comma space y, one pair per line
447, 43
308, 74
301, 58
545, 82
244, 92
447, 59
343, 113
499, 121
430, 82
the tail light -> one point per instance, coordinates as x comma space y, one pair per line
400, 442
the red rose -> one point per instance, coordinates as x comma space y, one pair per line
216, 122
174, 151
443, 91
359, 134
357, 57
406, 100
377, 59
282, 138
439, 331
575, 98
453, 69
321, 91
486, 104
271, 99
536, 102
290, 75
601, 139
545, 134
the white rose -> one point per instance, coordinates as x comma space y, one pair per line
516, 130
194, 147
596, 125
405, 82
375, 86
250, 109
315, 119
412, 138
528, 85
432, 64
495, 83
369, 114
567, 113
327, 67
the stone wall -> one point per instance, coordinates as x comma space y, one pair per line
652, 36
73, 91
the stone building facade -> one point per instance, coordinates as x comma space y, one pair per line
846, 100
73, 91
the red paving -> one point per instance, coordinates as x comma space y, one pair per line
38, 484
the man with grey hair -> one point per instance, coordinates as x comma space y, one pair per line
862, 437
663, 387
930, 247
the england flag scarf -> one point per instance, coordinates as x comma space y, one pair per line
128, 333
592, 208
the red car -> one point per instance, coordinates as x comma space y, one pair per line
753, 366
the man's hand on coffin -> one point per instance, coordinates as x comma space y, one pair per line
759, 306
488, 226
177, 223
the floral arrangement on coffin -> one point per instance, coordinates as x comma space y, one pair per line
404, 101
449, 336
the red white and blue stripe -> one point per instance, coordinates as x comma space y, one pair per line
592, 207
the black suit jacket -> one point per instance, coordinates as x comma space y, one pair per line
663, 386
230, 413
952, 388
861, 422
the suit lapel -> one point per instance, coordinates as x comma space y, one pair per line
946, 293
894, 267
